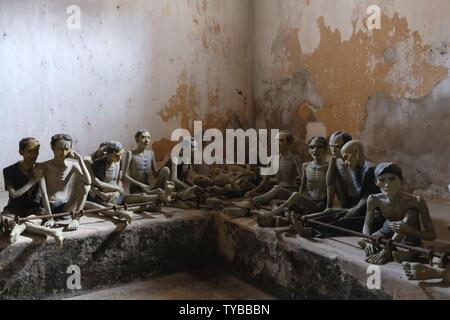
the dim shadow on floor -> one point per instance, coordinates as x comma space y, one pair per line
212, 283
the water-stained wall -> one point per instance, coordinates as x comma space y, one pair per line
311, 66
318, 69
133, 64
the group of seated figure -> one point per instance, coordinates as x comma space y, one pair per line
371, 198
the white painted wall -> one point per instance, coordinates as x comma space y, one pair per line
114, 75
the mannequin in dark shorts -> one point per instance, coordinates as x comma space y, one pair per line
21, 182
405, 214
65, 183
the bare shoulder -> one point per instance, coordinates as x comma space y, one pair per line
413, 200
376, 198
44, 165
41, 165
71, 163
128, 156
88, 160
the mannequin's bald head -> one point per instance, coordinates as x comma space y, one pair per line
353, 154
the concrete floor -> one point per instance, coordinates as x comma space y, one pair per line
203, 284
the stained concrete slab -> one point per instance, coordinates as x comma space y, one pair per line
107, 253
202, 284
274, 260
292, 267
440, 213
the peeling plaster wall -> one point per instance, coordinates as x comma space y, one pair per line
134, 64
319, 69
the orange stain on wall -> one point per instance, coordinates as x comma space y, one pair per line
341, 72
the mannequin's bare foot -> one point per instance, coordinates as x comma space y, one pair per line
300, 228
73, 225
419, 271
127, 215
59, 238
16, 232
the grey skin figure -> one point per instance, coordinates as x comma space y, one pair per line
404, 213
339, 175
312, 195
140, 169
106, 191
285, 181
65, 183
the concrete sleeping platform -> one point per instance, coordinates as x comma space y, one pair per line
160, 256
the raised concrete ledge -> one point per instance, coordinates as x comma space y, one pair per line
280, 263
292, 267
107, 254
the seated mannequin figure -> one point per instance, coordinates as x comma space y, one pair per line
285, 180
339, 176
313, 193
140, 168
364, 180
21, 182
404, 213
182, 173
106, 191
65, 183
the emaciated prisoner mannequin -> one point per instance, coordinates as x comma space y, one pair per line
313, 190
404, 213
285, 180
339, 176
140, 168
65, 182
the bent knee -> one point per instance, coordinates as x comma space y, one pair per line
165, 171
277, 188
